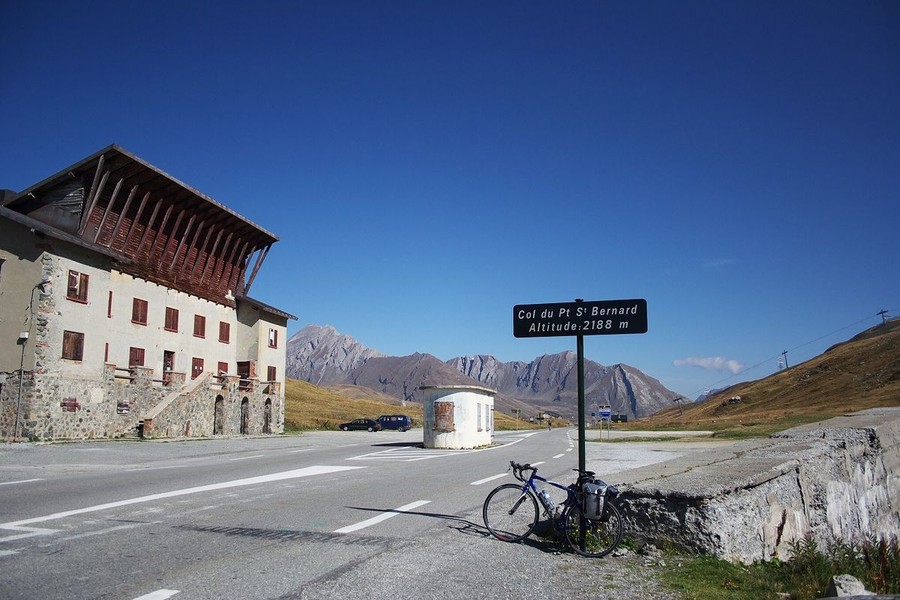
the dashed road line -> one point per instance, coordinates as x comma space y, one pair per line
491, 478
382, 517
20, 481
158, 595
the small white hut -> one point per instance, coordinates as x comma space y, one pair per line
458, 417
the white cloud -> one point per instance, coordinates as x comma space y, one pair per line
712, 363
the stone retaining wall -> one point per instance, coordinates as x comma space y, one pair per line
57, 407
835, 480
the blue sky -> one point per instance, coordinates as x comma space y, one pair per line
429, 165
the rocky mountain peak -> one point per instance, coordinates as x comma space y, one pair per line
323, 356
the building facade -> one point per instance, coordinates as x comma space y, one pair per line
124, 309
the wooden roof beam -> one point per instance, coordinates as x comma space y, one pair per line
134, 223
237, 268
260, 258
205, 243
121, 218
184, 236
89, 205
210, 256
107, 210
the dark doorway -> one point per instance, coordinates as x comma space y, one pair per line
219, 416
267, 416
245, 416
168, 366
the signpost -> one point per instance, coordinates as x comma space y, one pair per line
580, 318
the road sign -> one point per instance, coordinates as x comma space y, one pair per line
603, 317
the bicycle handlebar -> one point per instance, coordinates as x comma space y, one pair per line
517, 470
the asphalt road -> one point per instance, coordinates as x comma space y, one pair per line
320, 515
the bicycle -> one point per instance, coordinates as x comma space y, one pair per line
511, 511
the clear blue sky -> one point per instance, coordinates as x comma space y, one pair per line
429, 165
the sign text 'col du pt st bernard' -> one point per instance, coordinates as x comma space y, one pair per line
603, 317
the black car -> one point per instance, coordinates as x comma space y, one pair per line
361, 424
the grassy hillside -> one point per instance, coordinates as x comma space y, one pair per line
863, 372
308, 407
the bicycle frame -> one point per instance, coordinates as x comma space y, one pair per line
570, 490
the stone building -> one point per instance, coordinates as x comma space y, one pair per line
124, 309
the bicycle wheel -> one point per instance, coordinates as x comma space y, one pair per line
601, 537
509, 513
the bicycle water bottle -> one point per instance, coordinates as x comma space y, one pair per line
544, 495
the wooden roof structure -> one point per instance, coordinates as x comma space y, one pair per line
150, 224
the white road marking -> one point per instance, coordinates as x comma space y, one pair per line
408, 454
486, 479
560, 455
8, 552
20, 481
28, 532
158, 595
294, 474
382, 517
247, 457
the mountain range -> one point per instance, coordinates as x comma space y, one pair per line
549, 383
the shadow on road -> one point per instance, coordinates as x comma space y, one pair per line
400, 445
544, 537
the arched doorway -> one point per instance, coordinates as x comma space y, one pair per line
245, 416
219, 416
267, 416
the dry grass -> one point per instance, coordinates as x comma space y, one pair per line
310, 407
861, 373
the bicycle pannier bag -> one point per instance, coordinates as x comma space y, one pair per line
594, 498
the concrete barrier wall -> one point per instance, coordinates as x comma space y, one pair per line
834, 480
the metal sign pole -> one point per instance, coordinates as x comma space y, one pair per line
582, 463
581, 459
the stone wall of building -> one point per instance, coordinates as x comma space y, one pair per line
116, 405
835, 480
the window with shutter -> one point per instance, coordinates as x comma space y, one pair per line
171, 319
139, 311
136, 357
199, 326
73, 345
77, 288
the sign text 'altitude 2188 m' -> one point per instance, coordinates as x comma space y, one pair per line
603, 317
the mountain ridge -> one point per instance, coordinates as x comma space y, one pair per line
323, 356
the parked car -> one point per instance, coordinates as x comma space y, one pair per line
398, 422
360, 425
